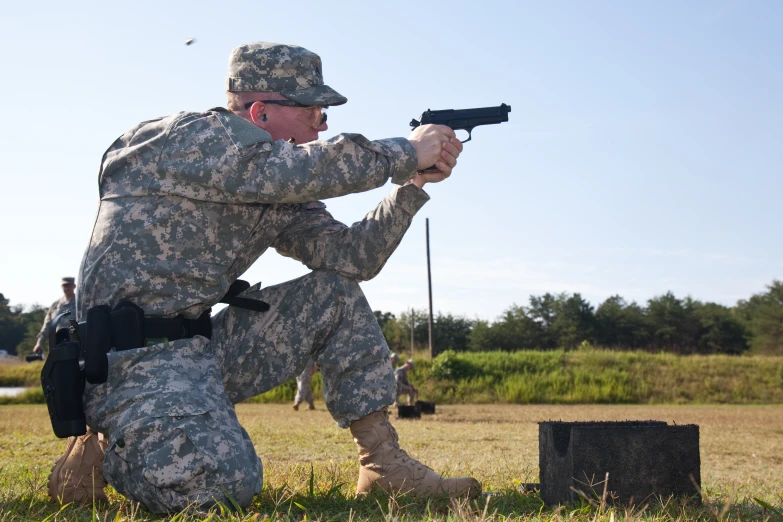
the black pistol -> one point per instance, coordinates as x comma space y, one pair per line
463, 119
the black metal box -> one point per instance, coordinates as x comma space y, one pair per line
407, 412
644, 460
425, 407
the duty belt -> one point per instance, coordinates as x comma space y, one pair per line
131, 328
126, 327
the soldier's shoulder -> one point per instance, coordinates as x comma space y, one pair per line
240, 131
203, 129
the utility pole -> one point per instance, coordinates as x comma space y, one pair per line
429, 282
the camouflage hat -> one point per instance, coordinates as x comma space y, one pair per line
69, 281
290, 70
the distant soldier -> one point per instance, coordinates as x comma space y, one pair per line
394, 359
403, 385
66, 302
303, 391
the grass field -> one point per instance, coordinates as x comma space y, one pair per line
584, 376
310, 467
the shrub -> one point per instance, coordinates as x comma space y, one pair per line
449, 365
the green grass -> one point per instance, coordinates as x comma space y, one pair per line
552, 377
599, 376
16, 374
310, 466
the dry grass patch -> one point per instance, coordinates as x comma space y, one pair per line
310, 465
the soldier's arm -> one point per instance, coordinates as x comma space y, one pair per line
43, 334
223, 158
345, 164
319, 241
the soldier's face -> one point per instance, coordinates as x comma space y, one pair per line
301, 124
68, 290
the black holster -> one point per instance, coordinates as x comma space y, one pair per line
63, 382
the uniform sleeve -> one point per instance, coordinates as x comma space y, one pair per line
346, 164
44, 333
224, 158
359, 251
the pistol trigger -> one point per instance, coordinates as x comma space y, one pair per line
470, 135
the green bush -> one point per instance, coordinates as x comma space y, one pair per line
582, 376
591, 375
449, 365
20, 374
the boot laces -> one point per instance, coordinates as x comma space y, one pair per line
401, 453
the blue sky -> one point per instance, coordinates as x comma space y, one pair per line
643, 152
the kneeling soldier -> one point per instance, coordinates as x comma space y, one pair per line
188, 203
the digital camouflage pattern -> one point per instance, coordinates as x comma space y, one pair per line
303, 391
174, 439
167, 408
290, 70
61, 305
188, 203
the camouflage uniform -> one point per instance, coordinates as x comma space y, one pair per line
187, 203
61, 305
303, 391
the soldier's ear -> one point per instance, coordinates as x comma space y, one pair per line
258, 115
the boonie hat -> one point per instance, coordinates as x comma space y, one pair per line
291, 70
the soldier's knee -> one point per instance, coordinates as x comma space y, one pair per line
190, 488
173, 463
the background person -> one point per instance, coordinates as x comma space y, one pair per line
66, 302
303, 391
404, 387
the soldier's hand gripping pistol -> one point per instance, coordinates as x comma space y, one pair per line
463, 119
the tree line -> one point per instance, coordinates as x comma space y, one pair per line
552, 321
19, 328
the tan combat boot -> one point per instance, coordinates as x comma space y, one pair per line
78, 475
385, 465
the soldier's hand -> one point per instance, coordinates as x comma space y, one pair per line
435, 145
38, 348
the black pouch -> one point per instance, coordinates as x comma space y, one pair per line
96, 344
127, 326
63, 384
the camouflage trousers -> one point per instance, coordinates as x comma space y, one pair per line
303, 391
406, 389
167, 409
